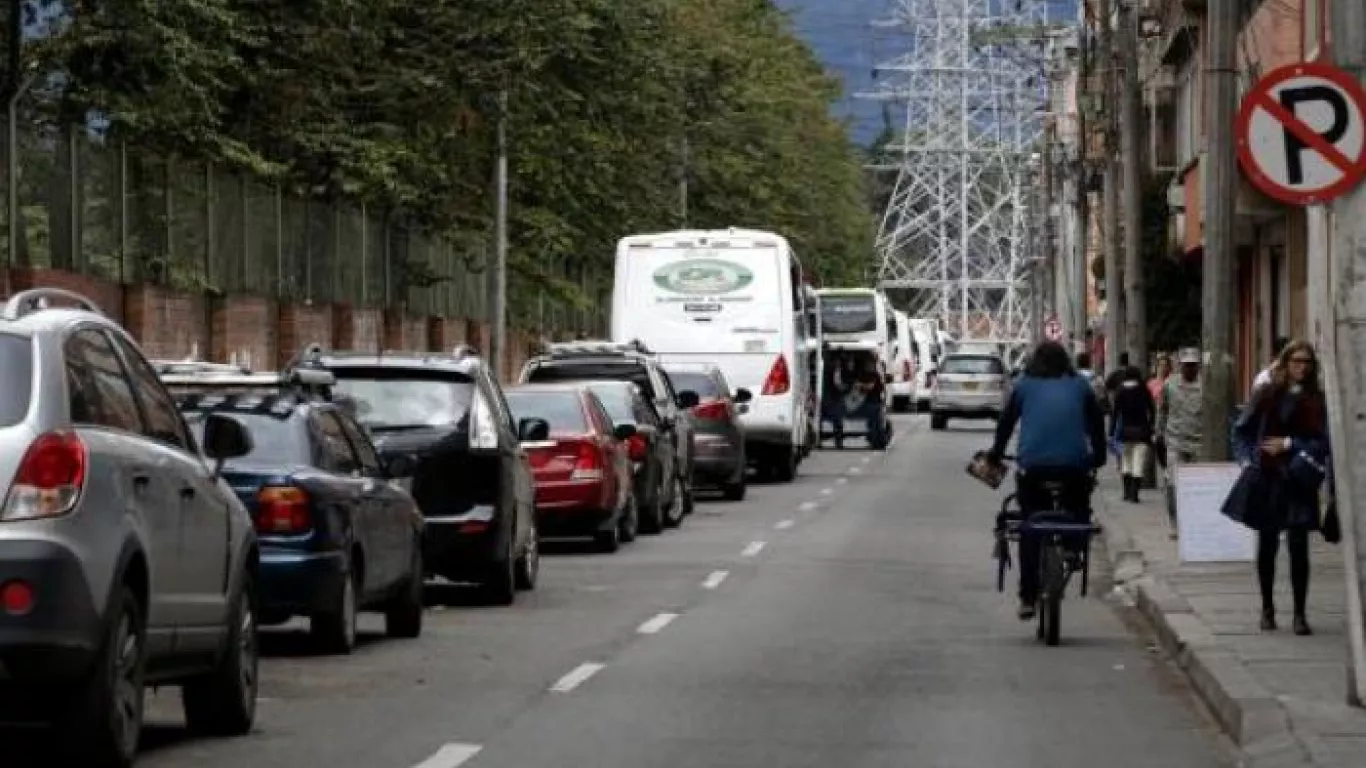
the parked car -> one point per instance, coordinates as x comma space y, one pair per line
582, 471
337, 535
125, 560
649, 450
596, 360
969, 386
718, 433
470, 475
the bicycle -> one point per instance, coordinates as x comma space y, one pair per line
1065, 550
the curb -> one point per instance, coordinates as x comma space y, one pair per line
1256, 721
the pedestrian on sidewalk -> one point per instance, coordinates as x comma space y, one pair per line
1284, 431
1132, 425
1264, 376
1179, 423
1157, 386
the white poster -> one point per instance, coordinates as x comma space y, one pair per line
1206, 535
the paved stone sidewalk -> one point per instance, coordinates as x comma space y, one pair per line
1280, 697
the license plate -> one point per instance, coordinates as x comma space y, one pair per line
701, 307
970, 385
755, 345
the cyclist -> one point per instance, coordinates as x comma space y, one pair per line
1062, 439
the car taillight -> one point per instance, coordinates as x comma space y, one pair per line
712, 410
588, 463
779, 379
50, 478
636, 447
282, 510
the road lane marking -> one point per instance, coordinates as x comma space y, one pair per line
577, 677
714, 579
827, 491
754, 548
451, 756
654, 625
784, 525
867, 459
841, 481
807, 506
855, 471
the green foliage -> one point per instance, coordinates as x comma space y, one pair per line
611, 104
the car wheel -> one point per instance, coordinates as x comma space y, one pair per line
608, 540
630, 521
335, 631
223, 702
735, 491
784, 469
103, 723
652, 521
404, 616
529, 564
501, 585
674, 515
689, 499
938, 423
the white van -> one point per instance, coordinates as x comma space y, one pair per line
734, 298
857, 316
904, 365
925, 334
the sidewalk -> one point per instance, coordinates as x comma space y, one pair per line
1281, 698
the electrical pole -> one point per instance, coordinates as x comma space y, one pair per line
1135, 303
1220, 190
1343, 362
1049, 251
498, 342
1082, 246
1110, 241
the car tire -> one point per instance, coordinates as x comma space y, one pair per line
784, 470
404, 615
102, 724
223, 702
938, 423
689, 498
652, 521
608, 541
528, 568
673, 516
335, 631
630, 521
501, 585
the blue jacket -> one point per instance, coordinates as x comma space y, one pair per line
1061, 424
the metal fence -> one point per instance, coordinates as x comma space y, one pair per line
110, 211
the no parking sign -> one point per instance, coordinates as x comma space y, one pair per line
1301, 133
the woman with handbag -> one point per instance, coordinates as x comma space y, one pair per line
1135, 414
1283, 435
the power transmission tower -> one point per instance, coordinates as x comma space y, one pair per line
955, 241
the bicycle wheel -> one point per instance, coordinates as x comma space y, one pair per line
1053, 579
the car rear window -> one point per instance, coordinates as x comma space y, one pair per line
618, 402
276, 440
16, 378
396, 398
561, 371
702, 383
981, 365
562, 410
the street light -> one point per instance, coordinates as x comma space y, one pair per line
12, 160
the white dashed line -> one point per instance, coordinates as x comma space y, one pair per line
841, 481
653, 626
784, 525
855, 471
867, 459
827, 491
807, 506
754, 548
450, 756
577, 677
714, 580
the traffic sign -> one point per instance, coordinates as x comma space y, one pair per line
1301, 133
1052, 328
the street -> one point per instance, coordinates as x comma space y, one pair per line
849, 618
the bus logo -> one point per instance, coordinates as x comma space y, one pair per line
703, 277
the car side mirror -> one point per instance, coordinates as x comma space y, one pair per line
225, 438
400, 465
688, 399
624, 431
743, 396
533, 430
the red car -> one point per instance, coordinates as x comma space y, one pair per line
582, 473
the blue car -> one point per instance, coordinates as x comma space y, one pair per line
338, 532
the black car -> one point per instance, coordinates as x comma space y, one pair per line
337, 535
470, 475
648, 449
603, 360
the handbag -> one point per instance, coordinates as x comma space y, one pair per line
1305, 471
1331, 526
1252, 499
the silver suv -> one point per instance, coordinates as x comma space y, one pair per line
125, 561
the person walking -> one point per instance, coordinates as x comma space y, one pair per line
1132, 427
1162, 370
1179, 424
1284, 432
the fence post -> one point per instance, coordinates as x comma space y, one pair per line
210, 231
364, 254
74, 219
280, 243
121, 161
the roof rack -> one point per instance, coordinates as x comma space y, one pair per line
38, 299
193, 367
597, 348
307, 381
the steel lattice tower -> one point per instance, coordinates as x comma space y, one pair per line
958, 236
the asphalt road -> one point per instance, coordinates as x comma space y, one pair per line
847, 619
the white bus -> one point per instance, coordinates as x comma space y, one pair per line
859, 317
735, 298
904, 363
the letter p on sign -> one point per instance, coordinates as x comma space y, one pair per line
1302, 133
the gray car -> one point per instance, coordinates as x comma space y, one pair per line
717, 431
125, 560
